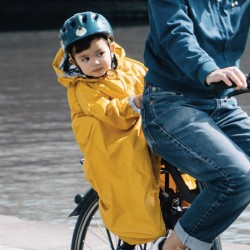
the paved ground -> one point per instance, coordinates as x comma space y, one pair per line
17, 234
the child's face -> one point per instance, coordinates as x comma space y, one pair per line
96, 60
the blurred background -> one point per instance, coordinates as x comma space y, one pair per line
40, 171
50, 14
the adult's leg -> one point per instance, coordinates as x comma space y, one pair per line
234, 122
182, 131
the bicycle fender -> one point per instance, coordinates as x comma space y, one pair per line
80, 200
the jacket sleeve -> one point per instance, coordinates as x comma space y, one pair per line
114, 112
175, 32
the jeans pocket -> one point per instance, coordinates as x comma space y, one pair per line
156, 94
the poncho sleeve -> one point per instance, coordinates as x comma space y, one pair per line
115, 112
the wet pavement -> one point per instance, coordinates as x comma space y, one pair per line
39, 158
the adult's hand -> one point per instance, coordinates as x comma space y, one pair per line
228, 75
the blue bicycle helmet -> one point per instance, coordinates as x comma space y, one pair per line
82, 25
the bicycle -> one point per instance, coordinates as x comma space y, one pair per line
90, 232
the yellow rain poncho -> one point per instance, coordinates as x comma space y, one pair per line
117, 162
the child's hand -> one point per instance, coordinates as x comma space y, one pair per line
138, 101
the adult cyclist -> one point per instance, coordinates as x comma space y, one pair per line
190, 45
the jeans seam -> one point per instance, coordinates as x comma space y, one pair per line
199, 157
152, 139
208, 211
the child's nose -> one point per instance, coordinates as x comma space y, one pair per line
96, 61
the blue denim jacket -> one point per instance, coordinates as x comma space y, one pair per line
188, 39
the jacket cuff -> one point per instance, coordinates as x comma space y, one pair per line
205, 69
132, 104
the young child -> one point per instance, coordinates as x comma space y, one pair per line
104, 94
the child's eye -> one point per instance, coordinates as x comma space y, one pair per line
85, 59
100, 53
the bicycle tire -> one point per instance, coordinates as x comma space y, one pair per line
89, 231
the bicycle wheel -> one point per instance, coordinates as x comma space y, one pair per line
90, 233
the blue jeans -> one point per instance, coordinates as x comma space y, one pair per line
210, 140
